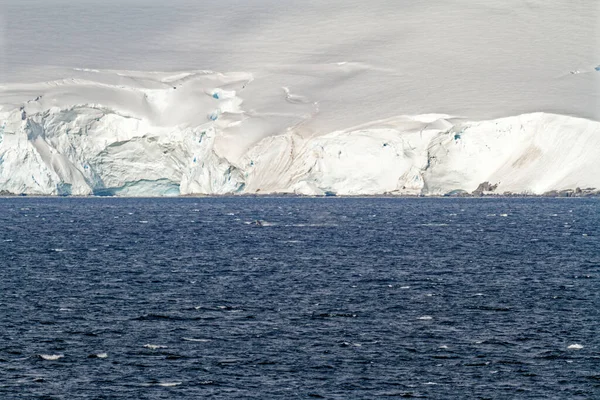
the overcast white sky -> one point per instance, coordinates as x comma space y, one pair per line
512, 51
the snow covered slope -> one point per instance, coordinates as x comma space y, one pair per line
132, 133
337, 96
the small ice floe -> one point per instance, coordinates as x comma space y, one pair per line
425, 318
51, 357
169, 384
575, 347
98, 355
154, 346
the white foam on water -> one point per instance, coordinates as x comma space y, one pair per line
196, 340
169, 384
575, 347
51, 357
154, 346
102, 355
425, 318
405, 287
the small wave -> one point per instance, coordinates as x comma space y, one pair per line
169, 384
154, 346
575, 347
51, 357
98, 355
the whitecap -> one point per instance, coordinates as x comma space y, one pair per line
575, 347
196, 340
405, 287
58, 250
504, 215
430, 383
98, 355
154, 346
444, 347
143, 222
51, 357
169, 384
425, 318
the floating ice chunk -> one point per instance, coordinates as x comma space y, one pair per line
575, 347
51, 357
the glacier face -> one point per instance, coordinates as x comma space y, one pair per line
129, 133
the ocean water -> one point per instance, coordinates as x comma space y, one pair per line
331, 298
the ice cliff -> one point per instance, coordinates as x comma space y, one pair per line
157, 134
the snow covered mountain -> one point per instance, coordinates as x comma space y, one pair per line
337, 97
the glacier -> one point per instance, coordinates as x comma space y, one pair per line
128, 133
342, 97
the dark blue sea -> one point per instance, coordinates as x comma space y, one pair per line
299, 298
